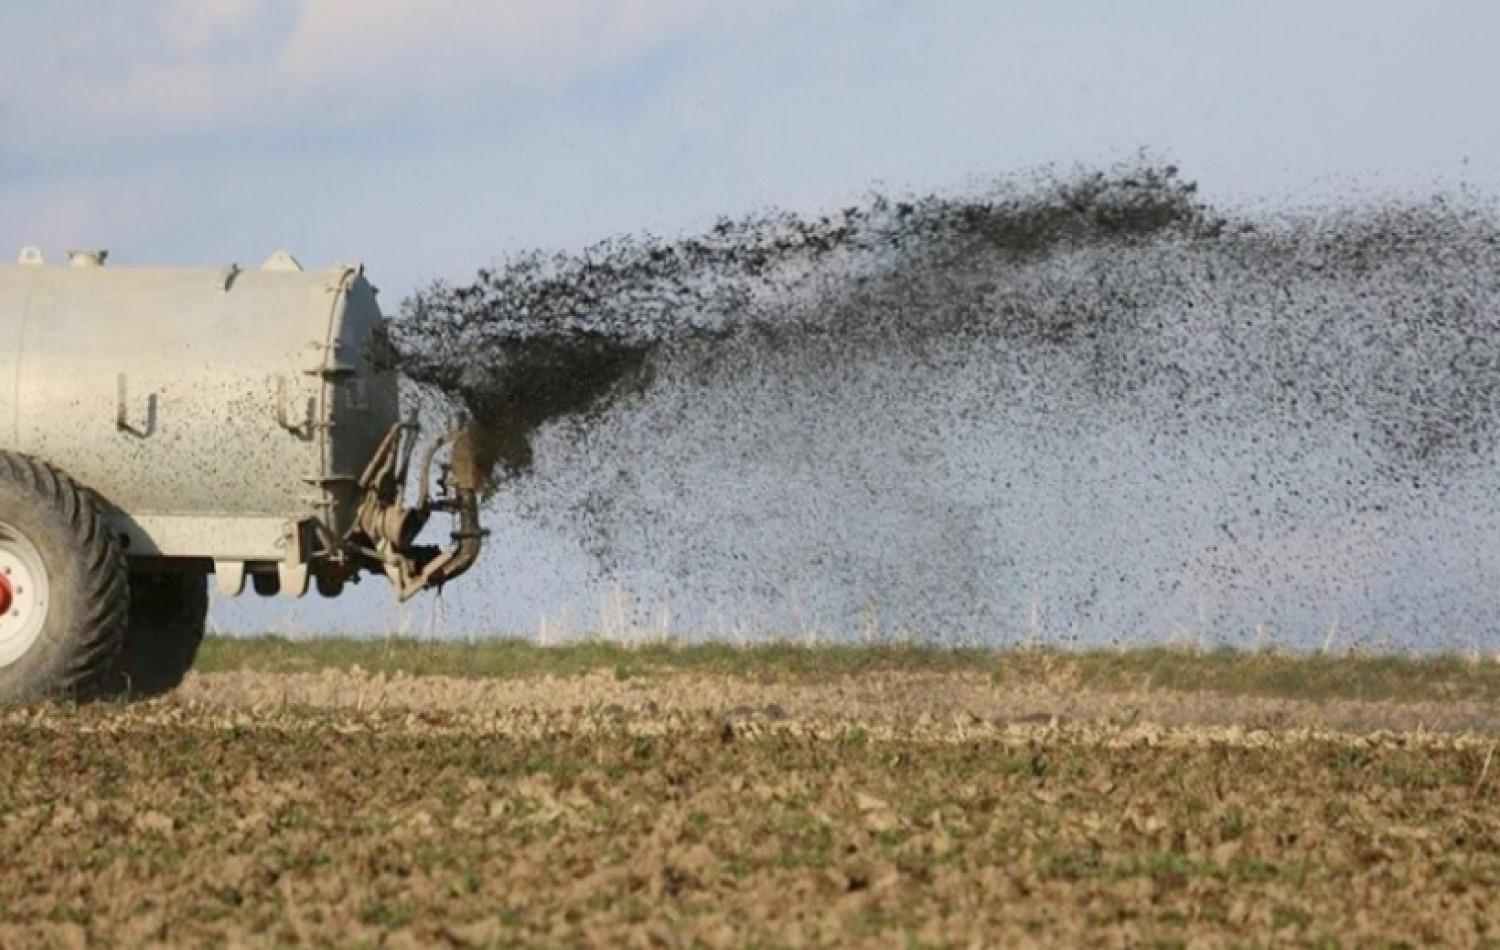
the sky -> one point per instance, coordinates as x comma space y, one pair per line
427, 138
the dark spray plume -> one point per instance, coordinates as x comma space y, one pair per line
544, 336
1083, 405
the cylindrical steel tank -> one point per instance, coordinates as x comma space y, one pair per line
207, 407
244, 417
157, 425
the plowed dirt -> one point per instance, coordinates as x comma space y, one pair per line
345, 808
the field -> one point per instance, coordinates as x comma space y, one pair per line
410, 794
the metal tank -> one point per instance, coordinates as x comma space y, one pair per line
243, 421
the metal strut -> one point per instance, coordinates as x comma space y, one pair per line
386, 529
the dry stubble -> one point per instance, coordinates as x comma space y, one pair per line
679, 809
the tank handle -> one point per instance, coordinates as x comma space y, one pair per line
122, 410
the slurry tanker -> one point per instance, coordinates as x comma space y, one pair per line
161, 425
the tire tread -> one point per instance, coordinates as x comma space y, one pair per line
105, 581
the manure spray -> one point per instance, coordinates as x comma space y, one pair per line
1086, 403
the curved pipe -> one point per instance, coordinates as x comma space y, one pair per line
465, 505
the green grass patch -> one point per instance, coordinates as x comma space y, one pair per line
525, 659
1231, 672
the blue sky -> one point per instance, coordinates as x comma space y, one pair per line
426, 138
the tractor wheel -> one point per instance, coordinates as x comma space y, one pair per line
168, 614
64, 586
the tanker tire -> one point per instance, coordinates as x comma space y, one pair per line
87, 584
168, 615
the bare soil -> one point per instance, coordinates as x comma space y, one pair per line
939, 808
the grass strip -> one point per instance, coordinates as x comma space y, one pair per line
1231, 672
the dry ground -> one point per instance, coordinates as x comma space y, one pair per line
760, 800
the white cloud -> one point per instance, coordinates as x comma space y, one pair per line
192, 26
213, 66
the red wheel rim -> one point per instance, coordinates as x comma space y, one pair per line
7, 596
